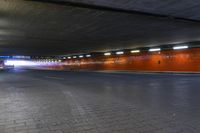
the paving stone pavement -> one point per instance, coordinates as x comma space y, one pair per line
88, 102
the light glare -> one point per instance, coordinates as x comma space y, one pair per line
80, 56
107, 54
88, 55
119, 52
135, 51
154, 49
180, 47
19, 63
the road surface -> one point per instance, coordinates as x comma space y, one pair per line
91, 102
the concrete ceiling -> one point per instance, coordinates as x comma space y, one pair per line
42, 28
187, 9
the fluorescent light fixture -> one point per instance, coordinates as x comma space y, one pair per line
74, 57
88, 55
135, 51
119, 52
80, 56
154, 49
180, 47
107, 54
69, 57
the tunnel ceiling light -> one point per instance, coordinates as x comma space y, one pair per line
88, 55
74, 57
107, 54
180, 47
80, 56
135, 51
119, 52
154, 49
69, 57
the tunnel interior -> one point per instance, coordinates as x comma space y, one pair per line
67, 31
99, 66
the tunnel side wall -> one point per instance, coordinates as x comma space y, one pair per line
164, 61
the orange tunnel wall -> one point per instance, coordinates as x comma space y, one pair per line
171, 60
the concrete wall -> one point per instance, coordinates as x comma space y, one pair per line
177, 61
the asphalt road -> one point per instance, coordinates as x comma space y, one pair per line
91, 102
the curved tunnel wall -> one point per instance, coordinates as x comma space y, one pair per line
163, 61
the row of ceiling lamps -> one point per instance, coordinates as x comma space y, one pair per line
48, 60
132, 51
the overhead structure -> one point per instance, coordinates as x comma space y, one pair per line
60, 27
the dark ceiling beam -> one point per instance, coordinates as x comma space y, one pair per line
112, 9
